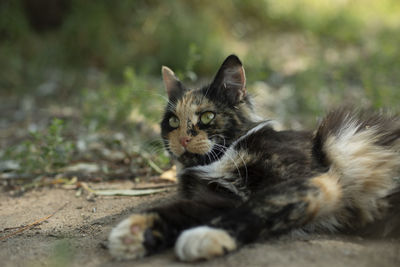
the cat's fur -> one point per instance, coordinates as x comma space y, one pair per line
241, 179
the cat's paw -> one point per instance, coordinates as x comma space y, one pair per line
127, 240
203, 243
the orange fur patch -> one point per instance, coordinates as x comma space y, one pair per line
330, 197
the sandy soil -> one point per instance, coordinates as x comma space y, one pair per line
76, 236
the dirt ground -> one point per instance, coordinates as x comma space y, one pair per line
76, 236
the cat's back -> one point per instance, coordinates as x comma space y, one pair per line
264, 139
274, 156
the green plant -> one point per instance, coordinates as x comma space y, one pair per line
136, 101
44, 151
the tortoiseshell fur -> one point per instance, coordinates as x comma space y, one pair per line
240, 179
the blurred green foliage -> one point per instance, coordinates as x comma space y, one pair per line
115, 106
43, 152
325, 50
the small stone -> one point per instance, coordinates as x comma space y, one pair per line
91, 198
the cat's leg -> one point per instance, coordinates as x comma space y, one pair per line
154, 230
273, 211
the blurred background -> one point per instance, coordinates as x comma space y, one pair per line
80, 80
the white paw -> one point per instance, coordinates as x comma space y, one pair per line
203, 243
126, 239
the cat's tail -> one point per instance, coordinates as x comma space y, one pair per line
361, 149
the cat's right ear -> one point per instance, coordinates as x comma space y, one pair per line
172, 84
230, 81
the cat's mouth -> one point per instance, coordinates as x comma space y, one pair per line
194, 147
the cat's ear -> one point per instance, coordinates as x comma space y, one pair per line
172, 84
230, 80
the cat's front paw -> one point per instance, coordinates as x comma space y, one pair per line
129, 238
203, 243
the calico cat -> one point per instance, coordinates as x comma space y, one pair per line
240, 179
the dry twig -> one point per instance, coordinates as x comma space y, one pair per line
29, 226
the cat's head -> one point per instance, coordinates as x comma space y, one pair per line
199, 124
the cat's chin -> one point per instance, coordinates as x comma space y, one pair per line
189, 159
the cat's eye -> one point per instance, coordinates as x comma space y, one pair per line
173, 122
207, 117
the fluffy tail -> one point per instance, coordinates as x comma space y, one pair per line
361, 149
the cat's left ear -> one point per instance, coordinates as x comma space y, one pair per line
230, 80
172, 84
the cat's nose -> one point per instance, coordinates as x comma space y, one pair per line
184, 141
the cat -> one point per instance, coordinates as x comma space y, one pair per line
240, 179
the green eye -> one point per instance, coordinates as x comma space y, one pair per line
207, 117
173, 122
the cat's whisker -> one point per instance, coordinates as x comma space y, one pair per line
151, 146
210, 157
156, 150
224, 148
244, 162
161, 96
151, 94
172, 104
155, 142
220, 152
234, 162
214, 155
202, 98
219, 136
